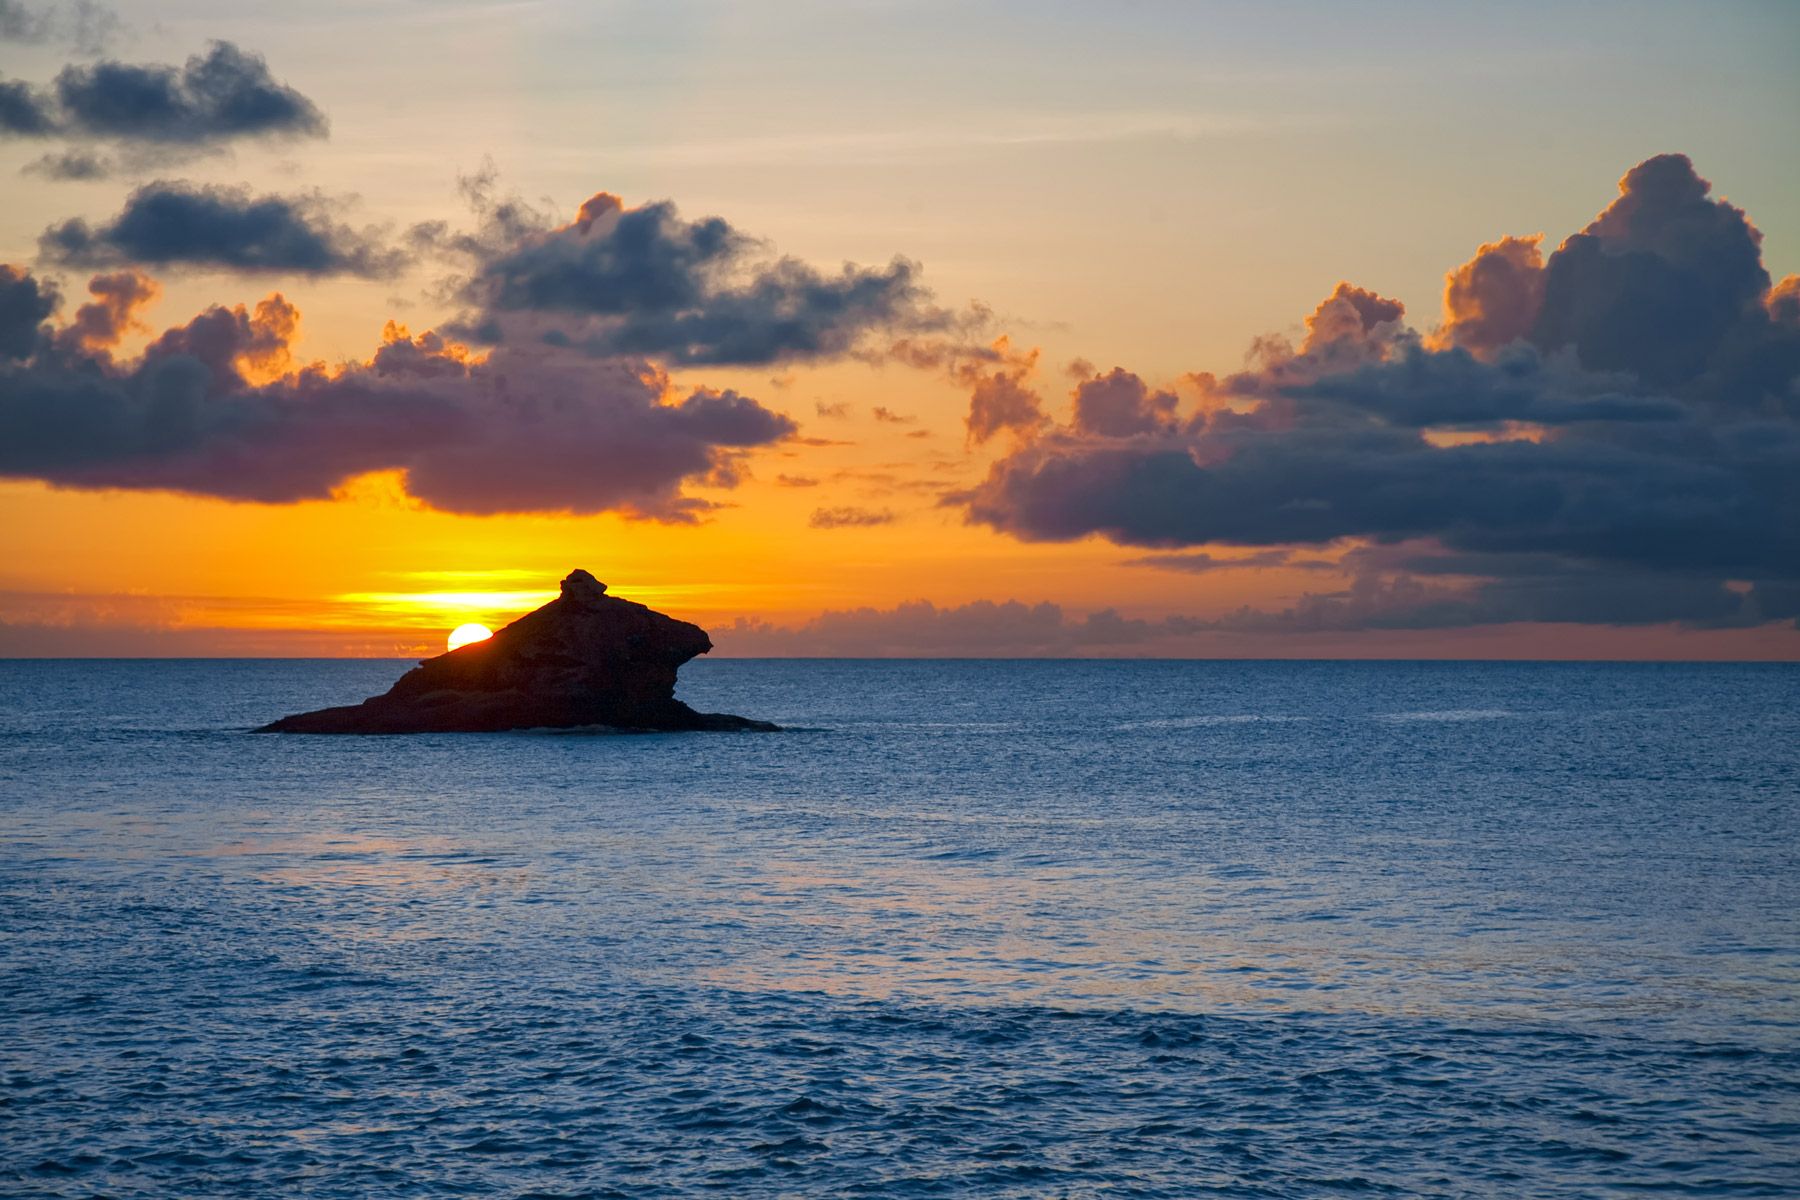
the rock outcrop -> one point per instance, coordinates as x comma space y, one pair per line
584, 659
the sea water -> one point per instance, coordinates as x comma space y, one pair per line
1007, 929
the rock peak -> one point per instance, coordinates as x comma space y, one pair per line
579, 585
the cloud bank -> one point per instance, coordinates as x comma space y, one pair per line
216, 407
921, 629
1611, 434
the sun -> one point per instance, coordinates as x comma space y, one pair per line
463, 635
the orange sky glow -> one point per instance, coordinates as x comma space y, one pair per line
892, 496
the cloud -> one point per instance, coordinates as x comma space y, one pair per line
999, 398
1119, 404
1351, 316
224, 228
101, 323
1199, 562
921, 629
86, 25
1494, 299
1784, 302
220, 96
23, 113
1626, 417
216, 407
1521, 589
646, 281
70, 166
849, 518
1658, 282
889, 417
21, 23
25, 304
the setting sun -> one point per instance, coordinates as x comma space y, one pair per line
463, 635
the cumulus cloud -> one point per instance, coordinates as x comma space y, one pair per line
1353, 317
1000, 399
26, 302
1119, 404
216, 407
102, 322
1658, 282
224, 228
1494, 299
647, 281
222, 95
23, 113
1623, 417
1784, 302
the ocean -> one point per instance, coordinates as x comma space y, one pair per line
995, 929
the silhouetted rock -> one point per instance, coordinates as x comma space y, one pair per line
584, 659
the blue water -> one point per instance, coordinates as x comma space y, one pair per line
977, 929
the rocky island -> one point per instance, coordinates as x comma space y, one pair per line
584, 659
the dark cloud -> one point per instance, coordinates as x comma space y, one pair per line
1198, 562
646, 281
890, 417
1657, 283
1629, 412
849, 518
23, 113
224, 228
219, 96
1540, 590
25, 304
215, 407
1453, 389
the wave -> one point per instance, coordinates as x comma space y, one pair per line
1451, 714
1199, 722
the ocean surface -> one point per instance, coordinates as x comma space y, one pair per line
995, 929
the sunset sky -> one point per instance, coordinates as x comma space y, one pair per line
1209, 329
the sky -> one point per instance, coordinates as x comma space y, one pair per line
1198, 329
